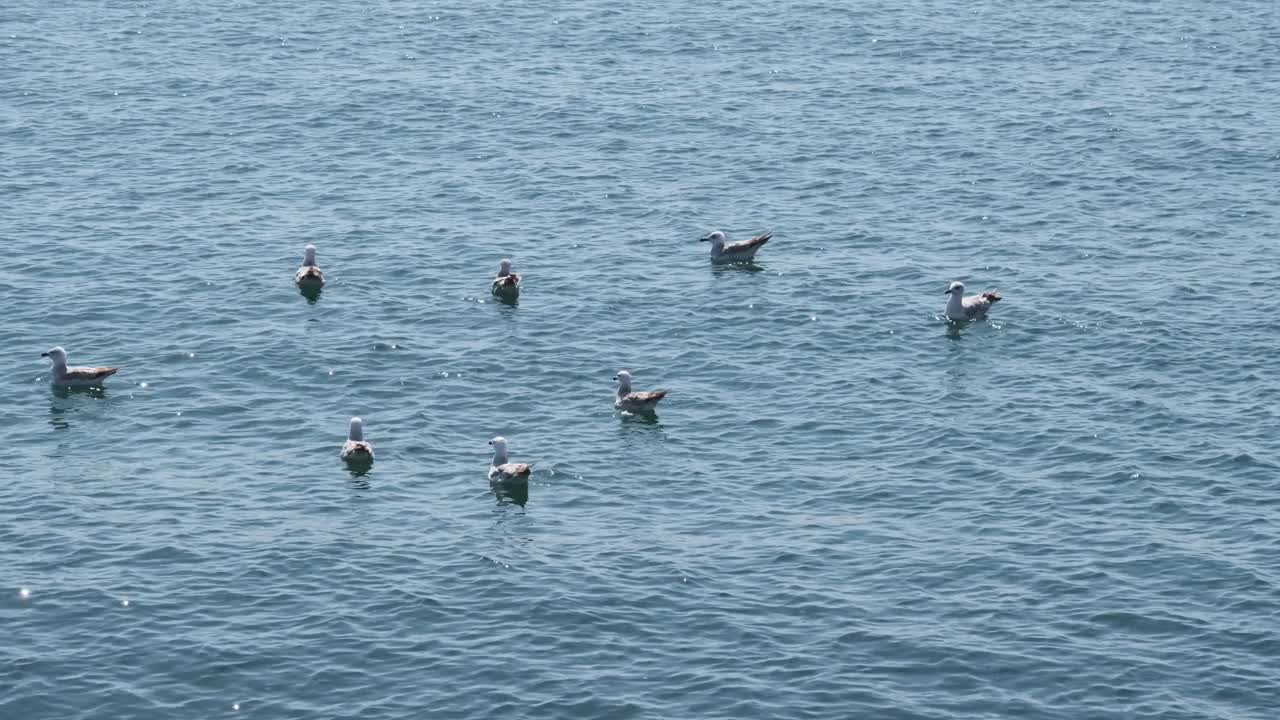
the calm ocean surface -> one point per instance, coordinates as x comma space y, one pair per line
845, 510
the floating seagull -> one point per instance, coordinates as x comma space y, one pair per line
743, 251
355, 449
500, 470
974, 307
507, 282
635, 402
78, 376
309, 274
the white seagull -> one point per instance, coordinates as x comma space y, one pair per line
500, 470
309, 274
742, 251
507, 282
355, 449
635, 402
77, 376
974, 307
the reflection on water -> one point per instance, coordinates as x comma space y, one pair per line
65, 391
643, 421
511, 527
510, 492
310, 292
358, 467
63, 405
59, 418
955, 329
640, 431
740, 267
509, 299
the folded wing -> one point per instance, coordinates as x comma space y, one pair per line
510, 471
746, 245
355, 449
977, 305
89, 374
640, 401
308, 274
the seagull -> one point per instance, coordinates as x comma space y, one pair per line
500, 470
974, 307
507, 282
355, 449
77, 376
309, 274
743, 251
635, 402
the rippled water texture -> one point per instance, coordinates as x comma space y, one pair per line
844, 509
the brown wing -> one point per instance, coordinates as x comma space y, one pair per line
356, 450
977, 303
507, 280
89, 374
648, 397
514, 469
748, 244
993, 296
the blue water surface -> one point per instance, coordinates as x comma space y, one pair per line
845, 508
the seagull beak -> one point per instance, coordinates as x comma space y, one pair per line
44, 354
704, 239
947, 291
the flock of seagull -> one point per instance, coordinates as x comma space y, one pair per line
357, 451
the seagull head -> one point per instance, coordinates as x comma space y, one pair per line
504, 266
957, 288
499, 445
309, 253
623, 378
56, 354
715, 237
357, 430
